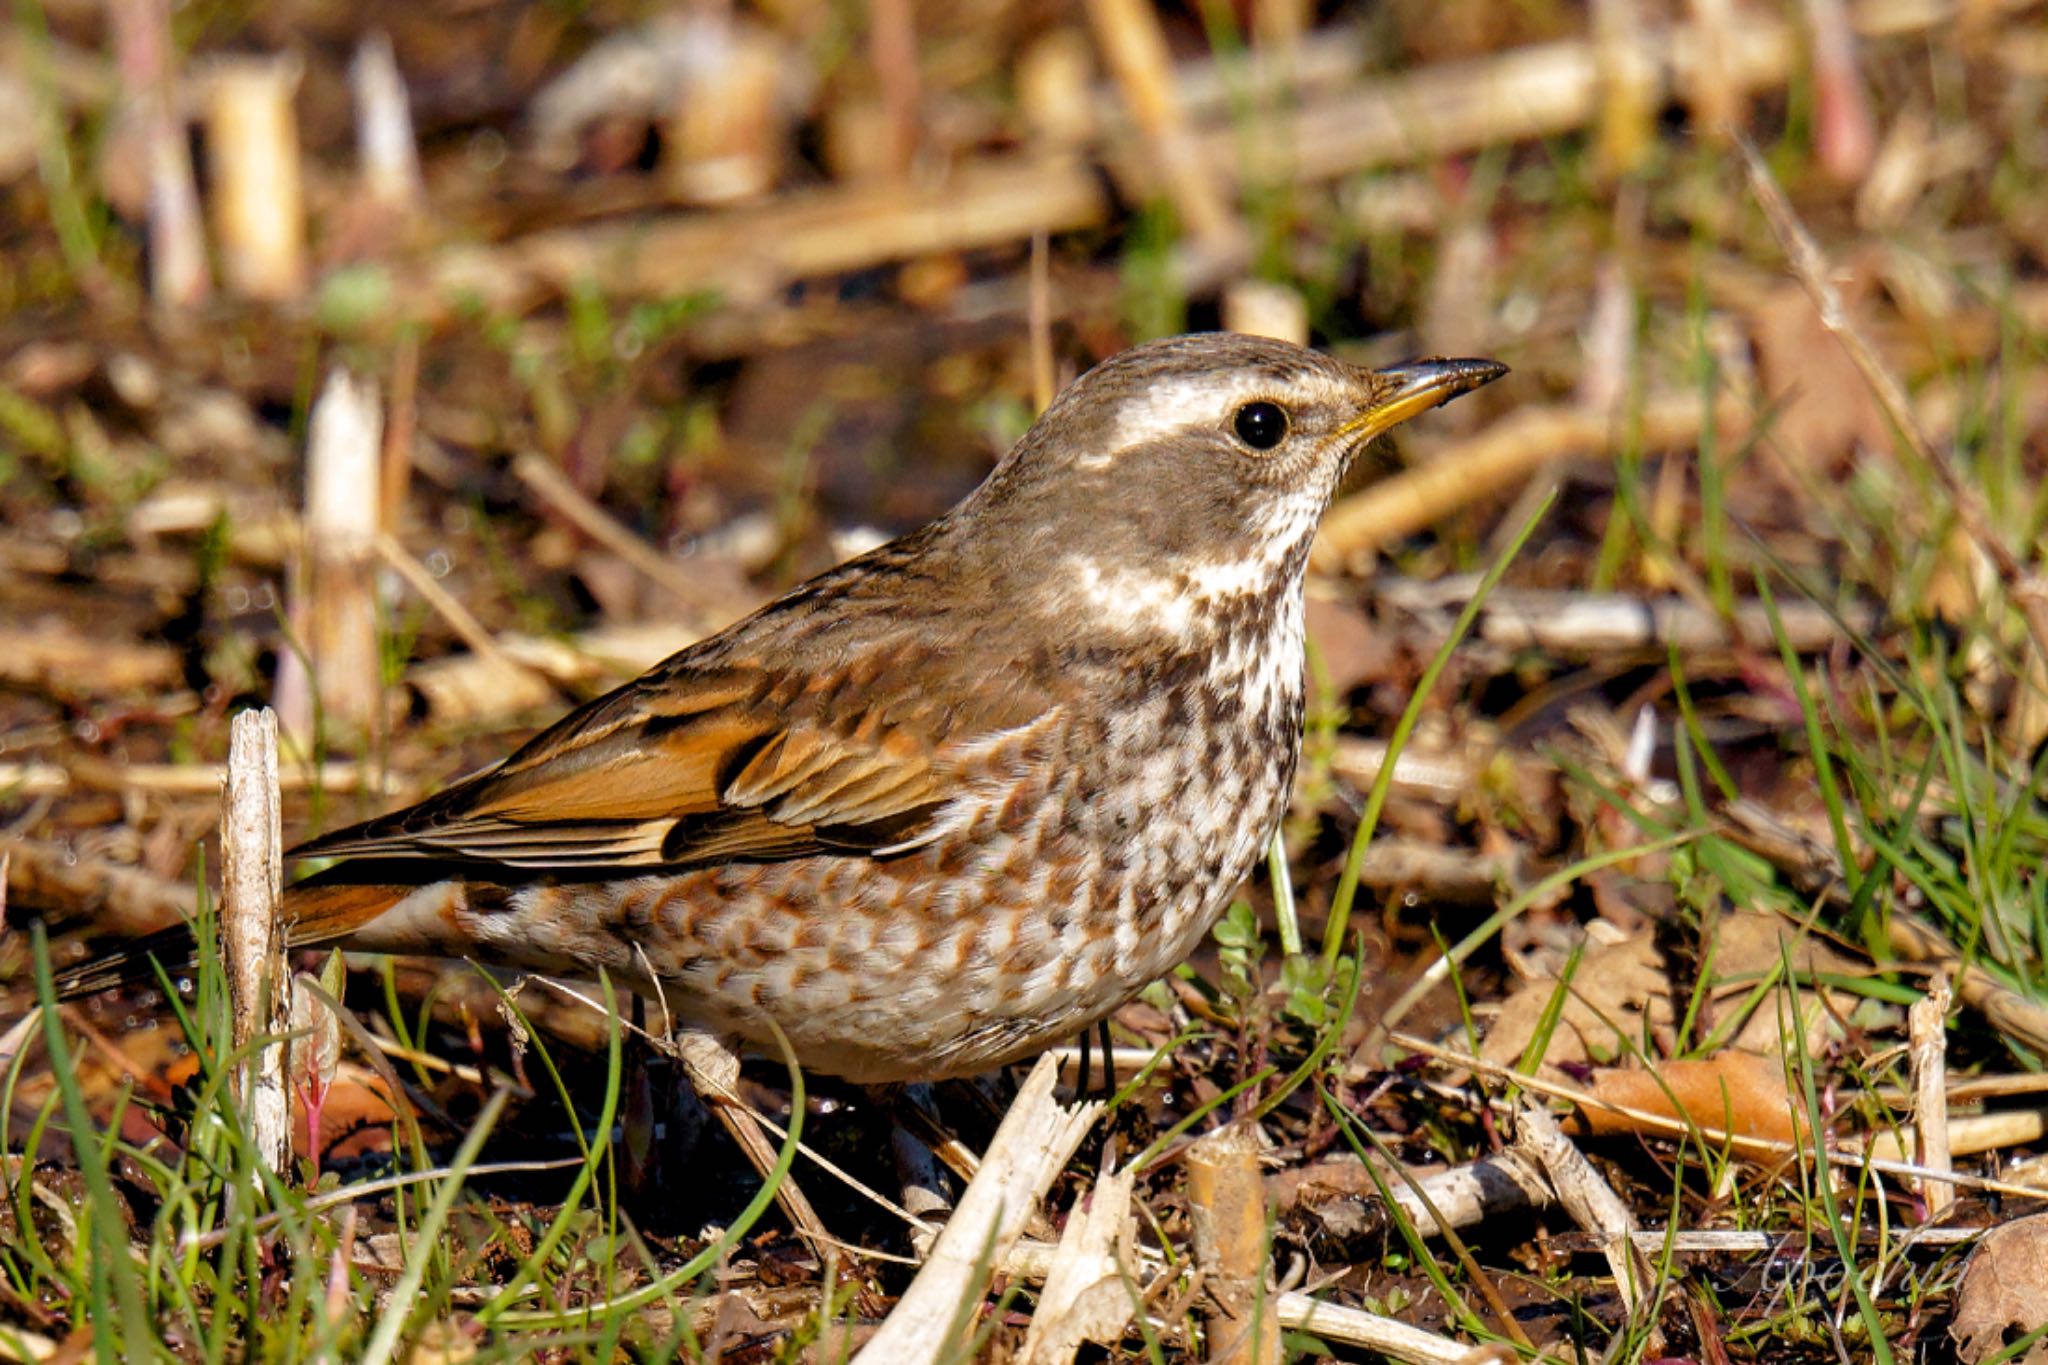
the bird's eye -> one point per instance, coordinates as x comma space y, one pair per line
1261, 425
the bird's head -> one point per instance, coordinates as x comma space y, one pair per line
1195, 467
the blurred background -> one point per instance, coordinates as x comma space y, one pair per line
421, 369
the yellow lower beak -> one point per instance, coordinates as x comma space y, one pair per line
1401, 391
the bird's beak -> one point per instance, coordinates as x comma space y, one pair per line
1401, 391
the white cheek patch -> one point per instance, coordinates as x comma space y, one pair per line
1138, 600
1130, 598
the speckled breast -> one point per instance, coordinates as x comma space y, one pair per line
1112, 844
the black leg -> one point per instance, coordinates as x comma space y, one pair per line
1108, 1060
1081, 1081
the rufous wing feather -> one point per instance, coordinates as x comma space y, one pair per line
686, 767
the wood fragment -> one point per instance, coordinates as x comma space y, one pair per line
1031, 1146
1626, 130
336, 618
1135, 51
1927, 1030
52, 655
1344, 1201
145, 54
1091, 1288
728, 129
1263, 308
120, 900
713, 1071
252, 939
1227, 1206
252, 144
1718, 105
387, 154
1844, 129
1593, 1205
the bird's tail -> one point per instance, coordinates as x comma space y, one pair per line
325, 908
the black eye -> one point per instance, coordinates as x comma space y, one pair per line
1261, 425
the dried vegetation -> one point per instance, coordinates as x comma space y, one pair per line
1651, 966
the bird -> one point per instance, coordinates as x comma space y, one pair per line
952, 800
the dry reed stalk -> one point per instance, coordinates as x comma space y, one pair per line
2023, 587
387, 154
1626, 129
179, 277
713, 1072
729, 131
1055, 80
1128, 33
400, 426
466, 627
1965, 1135
1038, 318
252, 140
1844, 130
1091, 1287
1265, 309
892, 52
751, 254
252, 940
1927, 1031
1494, 459
180, 779
1032, 1145
337, 618
1717, 104
1227, 1206
1592, 1203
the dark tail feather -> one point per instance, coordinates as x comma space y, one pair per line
320, 909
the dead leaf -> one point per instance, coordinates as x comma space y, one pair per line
1617, 989
1733, 1092
2001, 1295
1826, 408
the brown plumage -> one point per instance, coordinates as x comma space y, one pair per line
959, 796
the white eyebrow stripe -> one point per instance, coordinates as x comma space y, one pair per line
1164, 408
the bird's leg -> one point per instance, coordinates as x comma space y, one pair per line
922, 1182
642, 1164
713, 1070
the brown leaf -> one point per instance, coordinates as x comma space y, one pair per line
2001, 1293
1616, 988
1734, 1092
1827, 407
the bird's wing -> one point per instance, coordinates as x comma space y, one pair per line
707, 762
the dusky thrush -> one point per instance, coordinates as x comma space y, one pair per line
953, 799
